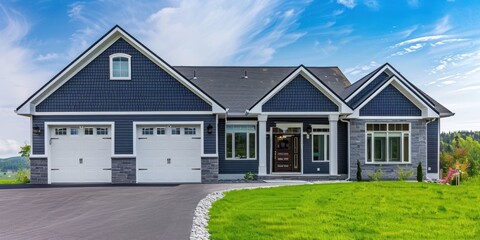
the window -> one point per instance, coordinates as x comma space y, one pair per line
388, 143
73, 131
147, 131
120, 66
60, 131
190, 131
88, 131
161, 131
102, 131
241, 142
175, 131
321, 143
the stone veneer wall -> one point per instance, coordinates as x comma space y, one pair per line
418, 145
38, 171
124, 170
209, 169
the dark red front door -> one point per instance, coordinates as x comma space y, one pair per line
286, 153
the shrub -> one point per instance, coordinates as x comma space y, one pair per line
359, 171
420, 172
250, 176
377, 175
23, 175
403, 174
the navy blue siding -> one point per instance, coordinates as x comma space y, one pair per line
150, 88
390, 102
432, 146
368, 90
124, 128
299, 96
233, 166
342, 145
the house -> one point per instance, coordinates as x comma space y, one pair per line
119, 113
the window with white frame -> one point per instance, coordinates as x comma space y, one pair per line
175, 131
102, 131
147, 131
388, 143
240, 142
60, 131
73, 131
88, 131
189, 131
120, 66
321, 143
161, 131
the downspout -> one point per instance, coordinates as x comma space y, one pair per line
426, 148
348, 152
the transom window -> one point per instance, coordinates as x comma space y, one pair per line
321, 143
241, 142
190, 131
60, 131
176, 131
388, 143
120, 66
88, 131
161, 131
147, 131
102, 131
73, 131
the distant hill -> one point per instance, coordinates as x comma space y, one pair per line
13, 164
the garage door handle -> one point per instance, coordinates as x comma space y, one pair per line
107, 169
142, 138
107, 138
50, 142
55, 169
196, 169
196, 138
142, 169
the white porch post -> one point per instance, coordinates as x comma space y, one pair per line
262, 145
333, 120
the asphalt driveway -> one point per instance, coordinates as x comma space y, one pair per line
102, 212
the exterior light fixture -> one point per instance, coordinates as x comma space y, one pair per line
36, 130
209, 129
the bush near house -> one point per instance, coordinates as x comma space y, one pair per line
460, 151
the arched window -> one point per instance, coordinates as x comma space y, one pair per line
120, 66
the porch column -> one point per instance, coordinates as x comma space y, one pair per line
262, 145
333, 120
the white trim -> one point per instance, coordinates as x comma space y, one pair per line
325, 146
301, 134
301, 113
123, 113
245, 123
121, 55
342, 107
358, 90
402, 133
240, 122
95, 51
47, 136
389, 118
427, 111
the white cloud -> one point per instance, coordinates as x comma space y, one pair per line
442, 26
372, 4
347, 3
410, 49
47, 57
469, 88
9, 147
353, 71
419, 39
448, 82
443, 42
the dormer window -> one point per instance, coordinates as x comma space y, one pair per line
120, 66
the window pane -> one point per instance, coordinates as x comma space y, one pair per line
88, 131
60, 131
251, 143
369, 148
394, 147
406, 147
369, 127
406, 127
73, 131
161, 131
102, 131
175, 131
147, 131
116, 67
120, 67
327, 157
240, 145
380, 150
190, 131
318, 147
229, 146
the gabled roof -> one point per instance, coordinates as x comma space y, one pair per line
356, 85
229, 86
26, 108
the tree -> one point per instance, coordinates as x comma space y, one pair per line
420, 172
359, 171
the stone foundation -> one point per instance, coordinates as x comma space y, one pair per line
124, 170
209, 169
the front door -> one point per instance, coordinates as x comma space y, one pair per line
286, 153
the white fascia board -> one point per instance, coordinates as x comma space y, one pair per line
366, 83
343, 108
94, 52
427, 111
123, 113
26, 110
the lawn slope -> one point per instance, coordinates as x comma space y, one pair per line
373, 210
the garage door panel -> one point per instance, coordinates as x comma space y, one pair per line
169, 155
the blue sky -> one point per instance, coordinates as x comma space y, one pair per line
435, 44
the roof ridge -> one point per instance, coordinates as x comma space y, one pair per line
213, 66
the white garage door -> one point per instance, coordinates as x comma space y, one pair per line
168, 154
80, 154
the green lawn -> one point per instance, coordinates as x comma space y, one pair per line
368, 210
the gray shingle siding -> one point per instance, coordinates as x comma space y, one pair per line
150, 88
124, 128
390, 102
233, 166
299, 96
432, 146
